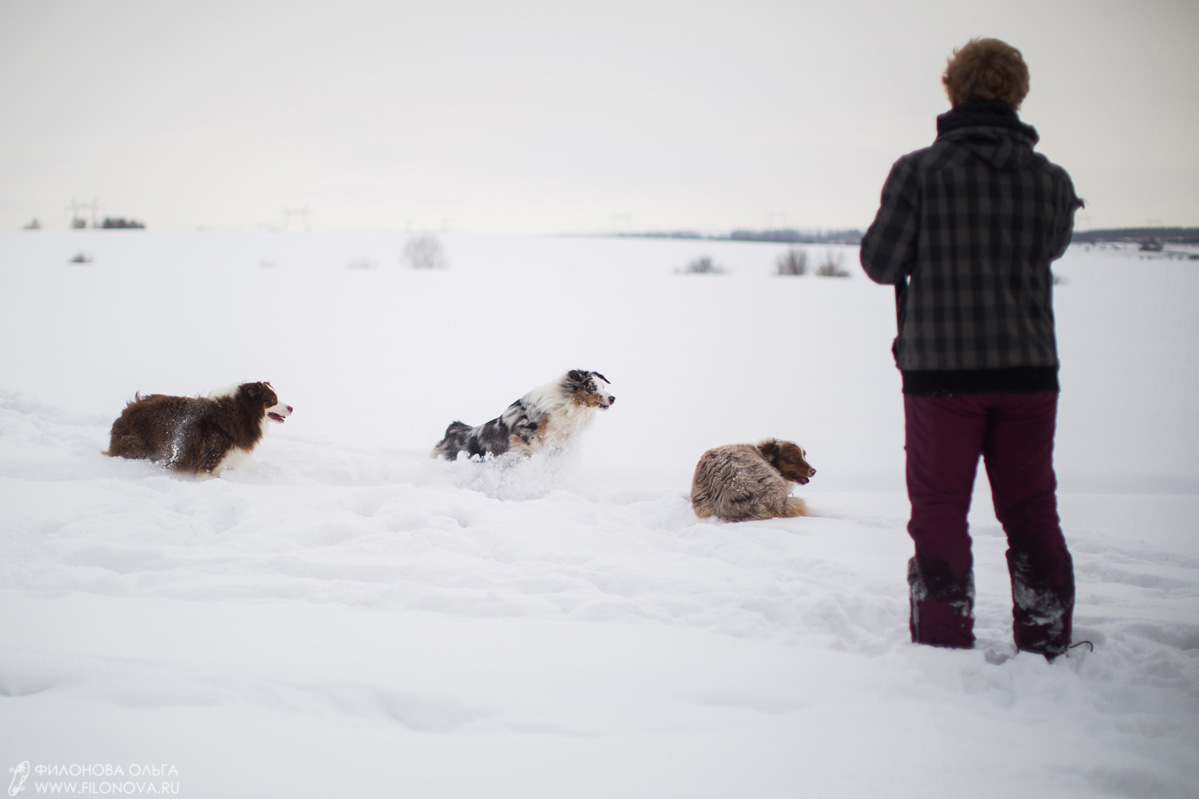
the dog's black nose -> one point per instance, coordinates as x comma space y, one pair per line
612, 400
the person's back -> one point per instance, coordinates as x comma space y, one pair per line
973, 262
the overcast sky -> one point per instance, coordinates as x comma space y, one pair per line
555, 116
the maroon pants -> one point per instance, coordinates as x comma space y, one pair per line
1013, 433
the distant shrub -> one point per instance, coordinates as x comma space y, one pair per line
831, 266
703, 265
425, 252
793, 262
1059, 280
81, 258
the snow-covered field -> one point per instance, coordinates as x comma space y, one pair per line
345, 616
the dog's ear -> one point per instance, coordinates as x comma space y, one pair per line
601, 377
576, 375
770, 451
252, 389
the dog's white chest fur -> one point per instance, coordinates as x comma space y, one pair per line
235, 458
566, 422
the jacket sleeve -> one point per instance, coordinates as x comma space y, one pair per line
889, 246
1068, 203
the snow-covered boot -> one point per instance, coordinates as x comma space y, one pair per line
942, 606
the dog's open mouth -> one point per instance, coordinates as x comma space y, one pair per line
803, 481
276, 417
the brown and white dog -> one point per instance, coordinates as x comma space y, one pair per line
739, 482
547, 418
200, 435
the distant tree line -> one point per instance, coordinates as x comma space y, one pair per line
120, 223
661, 234
783, 236
1139, 235
794, 236
109, 223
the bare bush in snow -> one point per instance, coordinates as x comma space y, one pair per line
793, 262
425, 252
831, 266
703, 265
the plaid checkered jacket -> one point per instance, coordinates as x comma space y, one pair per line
966, 231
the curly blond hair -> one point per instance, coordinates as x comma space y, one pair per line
986, 69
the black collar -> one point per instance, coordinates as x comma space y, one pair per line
984, 114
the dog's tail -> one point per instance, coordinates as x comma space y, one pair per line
451, 444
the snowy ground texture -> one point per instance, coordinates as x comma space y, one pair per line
345, 616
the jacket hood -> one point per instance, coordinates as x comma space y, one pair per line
991, 130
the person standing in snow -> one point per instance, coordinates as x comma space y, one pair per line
966, 232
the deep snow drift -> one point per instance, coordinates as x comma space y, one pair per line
346, 616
